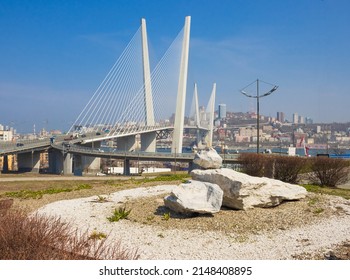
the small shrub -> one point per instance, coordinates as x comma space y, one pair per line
329, 171
254, 164
119, 214
287, 169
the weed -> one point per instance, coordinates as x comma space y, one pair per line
97, 235
313, 201
119, 214
318, 210
150, 218
101, 199
161, 235
166, 216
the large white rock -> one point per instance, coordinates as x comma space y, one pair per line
195, 197
242, 191
208, 159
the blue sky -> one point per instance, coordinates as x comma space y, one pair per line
54, 54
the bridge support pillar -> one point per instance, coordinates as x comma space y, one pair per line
60, 163
87, 164
127, 143
126, 171
68, 164
29, 162
148, 142
5, 164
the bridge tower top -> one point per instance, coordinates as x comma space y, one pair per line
181, 93
149, 118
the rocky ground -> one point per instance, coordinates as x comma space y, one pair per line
306, 224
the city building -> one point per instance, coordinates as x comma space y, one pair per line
222, 111
295, 118
281, 117
301, 120
6, 135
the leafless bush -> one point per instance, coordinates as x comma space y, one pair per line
282, 168
287, 169
253, 164
329, 171
37, 237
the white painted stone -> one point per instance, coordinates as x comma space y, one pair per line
242, 191
195, 197
208, 159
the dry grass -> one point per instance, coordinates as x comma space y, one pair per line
35, 237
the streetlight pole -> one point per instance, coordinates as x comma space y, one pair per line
257, 97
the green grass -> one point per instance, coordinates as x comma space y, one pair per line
326, 190
30, 194
165, 178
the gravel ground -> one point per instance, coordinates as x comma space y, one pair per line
305, 229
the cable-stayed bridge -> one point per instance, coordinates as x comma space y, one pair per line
131, 101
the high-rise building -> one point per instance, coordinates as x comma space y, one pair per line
281, 117
222, 111
295, 118
301, 119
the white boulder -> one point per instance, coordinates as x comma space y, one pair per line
208, 159
242, 191
195, 197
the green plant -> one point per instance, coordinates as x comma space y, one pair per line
166, 216
313, 201
150, 218
119, 214
318, 210
97, 235
101, 199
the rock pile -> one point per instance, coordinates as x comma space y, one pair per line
215, 186
242, 191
